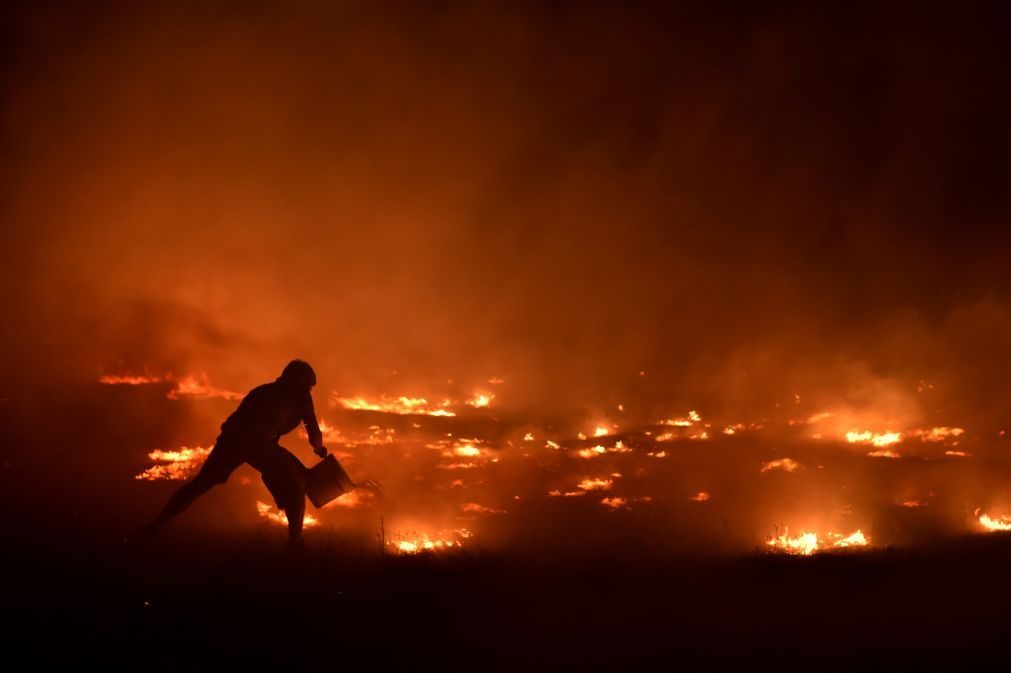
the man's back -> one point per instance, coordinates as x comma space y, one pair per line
272, 409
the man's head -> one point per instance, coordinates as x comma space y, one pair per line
298, 373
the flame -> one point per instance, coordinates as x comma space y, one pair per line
701, 496
481, 400
128, 379
190, 385
178, 465
481, 509
692, 418
806, 544
414, 543
877, 439
595, 484
199, 386
1001, 523
269, 513
939, 434
350, 500
785, 464
403, 405
884, 453
614, 503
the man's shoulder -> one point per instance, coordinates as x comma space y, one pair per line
277, 390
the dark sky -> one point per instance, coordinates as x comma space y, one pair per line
745, 202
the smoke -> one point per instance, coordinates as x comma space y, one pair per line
697, 207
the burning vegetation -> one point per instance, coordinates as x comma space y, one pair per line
477, 473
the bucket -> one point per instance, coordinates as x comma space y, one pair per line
327, 481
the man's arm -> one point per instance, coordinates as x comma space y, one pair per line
312, 427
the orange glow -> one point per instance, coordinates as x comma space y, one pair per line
701, 496
614, 503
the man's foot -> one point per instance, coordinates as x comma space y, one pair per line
295, 545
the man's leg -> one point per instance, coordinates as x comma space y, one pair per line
220, 464
295, 512
285, 477
180, 500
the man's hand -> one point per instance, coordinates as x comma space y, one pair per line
320, 451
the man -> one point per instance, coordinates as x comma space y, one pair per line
250, 435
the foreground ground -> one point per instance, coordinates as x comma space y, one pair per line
191, 600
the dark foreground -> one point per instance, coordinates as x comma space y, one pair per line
197, 602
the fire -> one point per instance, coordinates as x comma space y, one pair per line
693, 417
785, 464
938, 434
481, 400
614, 503
877, 439
599, 450
403, 405
806, 544
190, 385
884, 453
128, 379
857, 539
1001, 523
601, 431
199, 386
701, 496
177, 465
595, 484
269, 513
415, 543
349, 500
476, 508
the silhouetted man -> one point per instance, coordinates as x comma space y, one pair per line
250, 435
